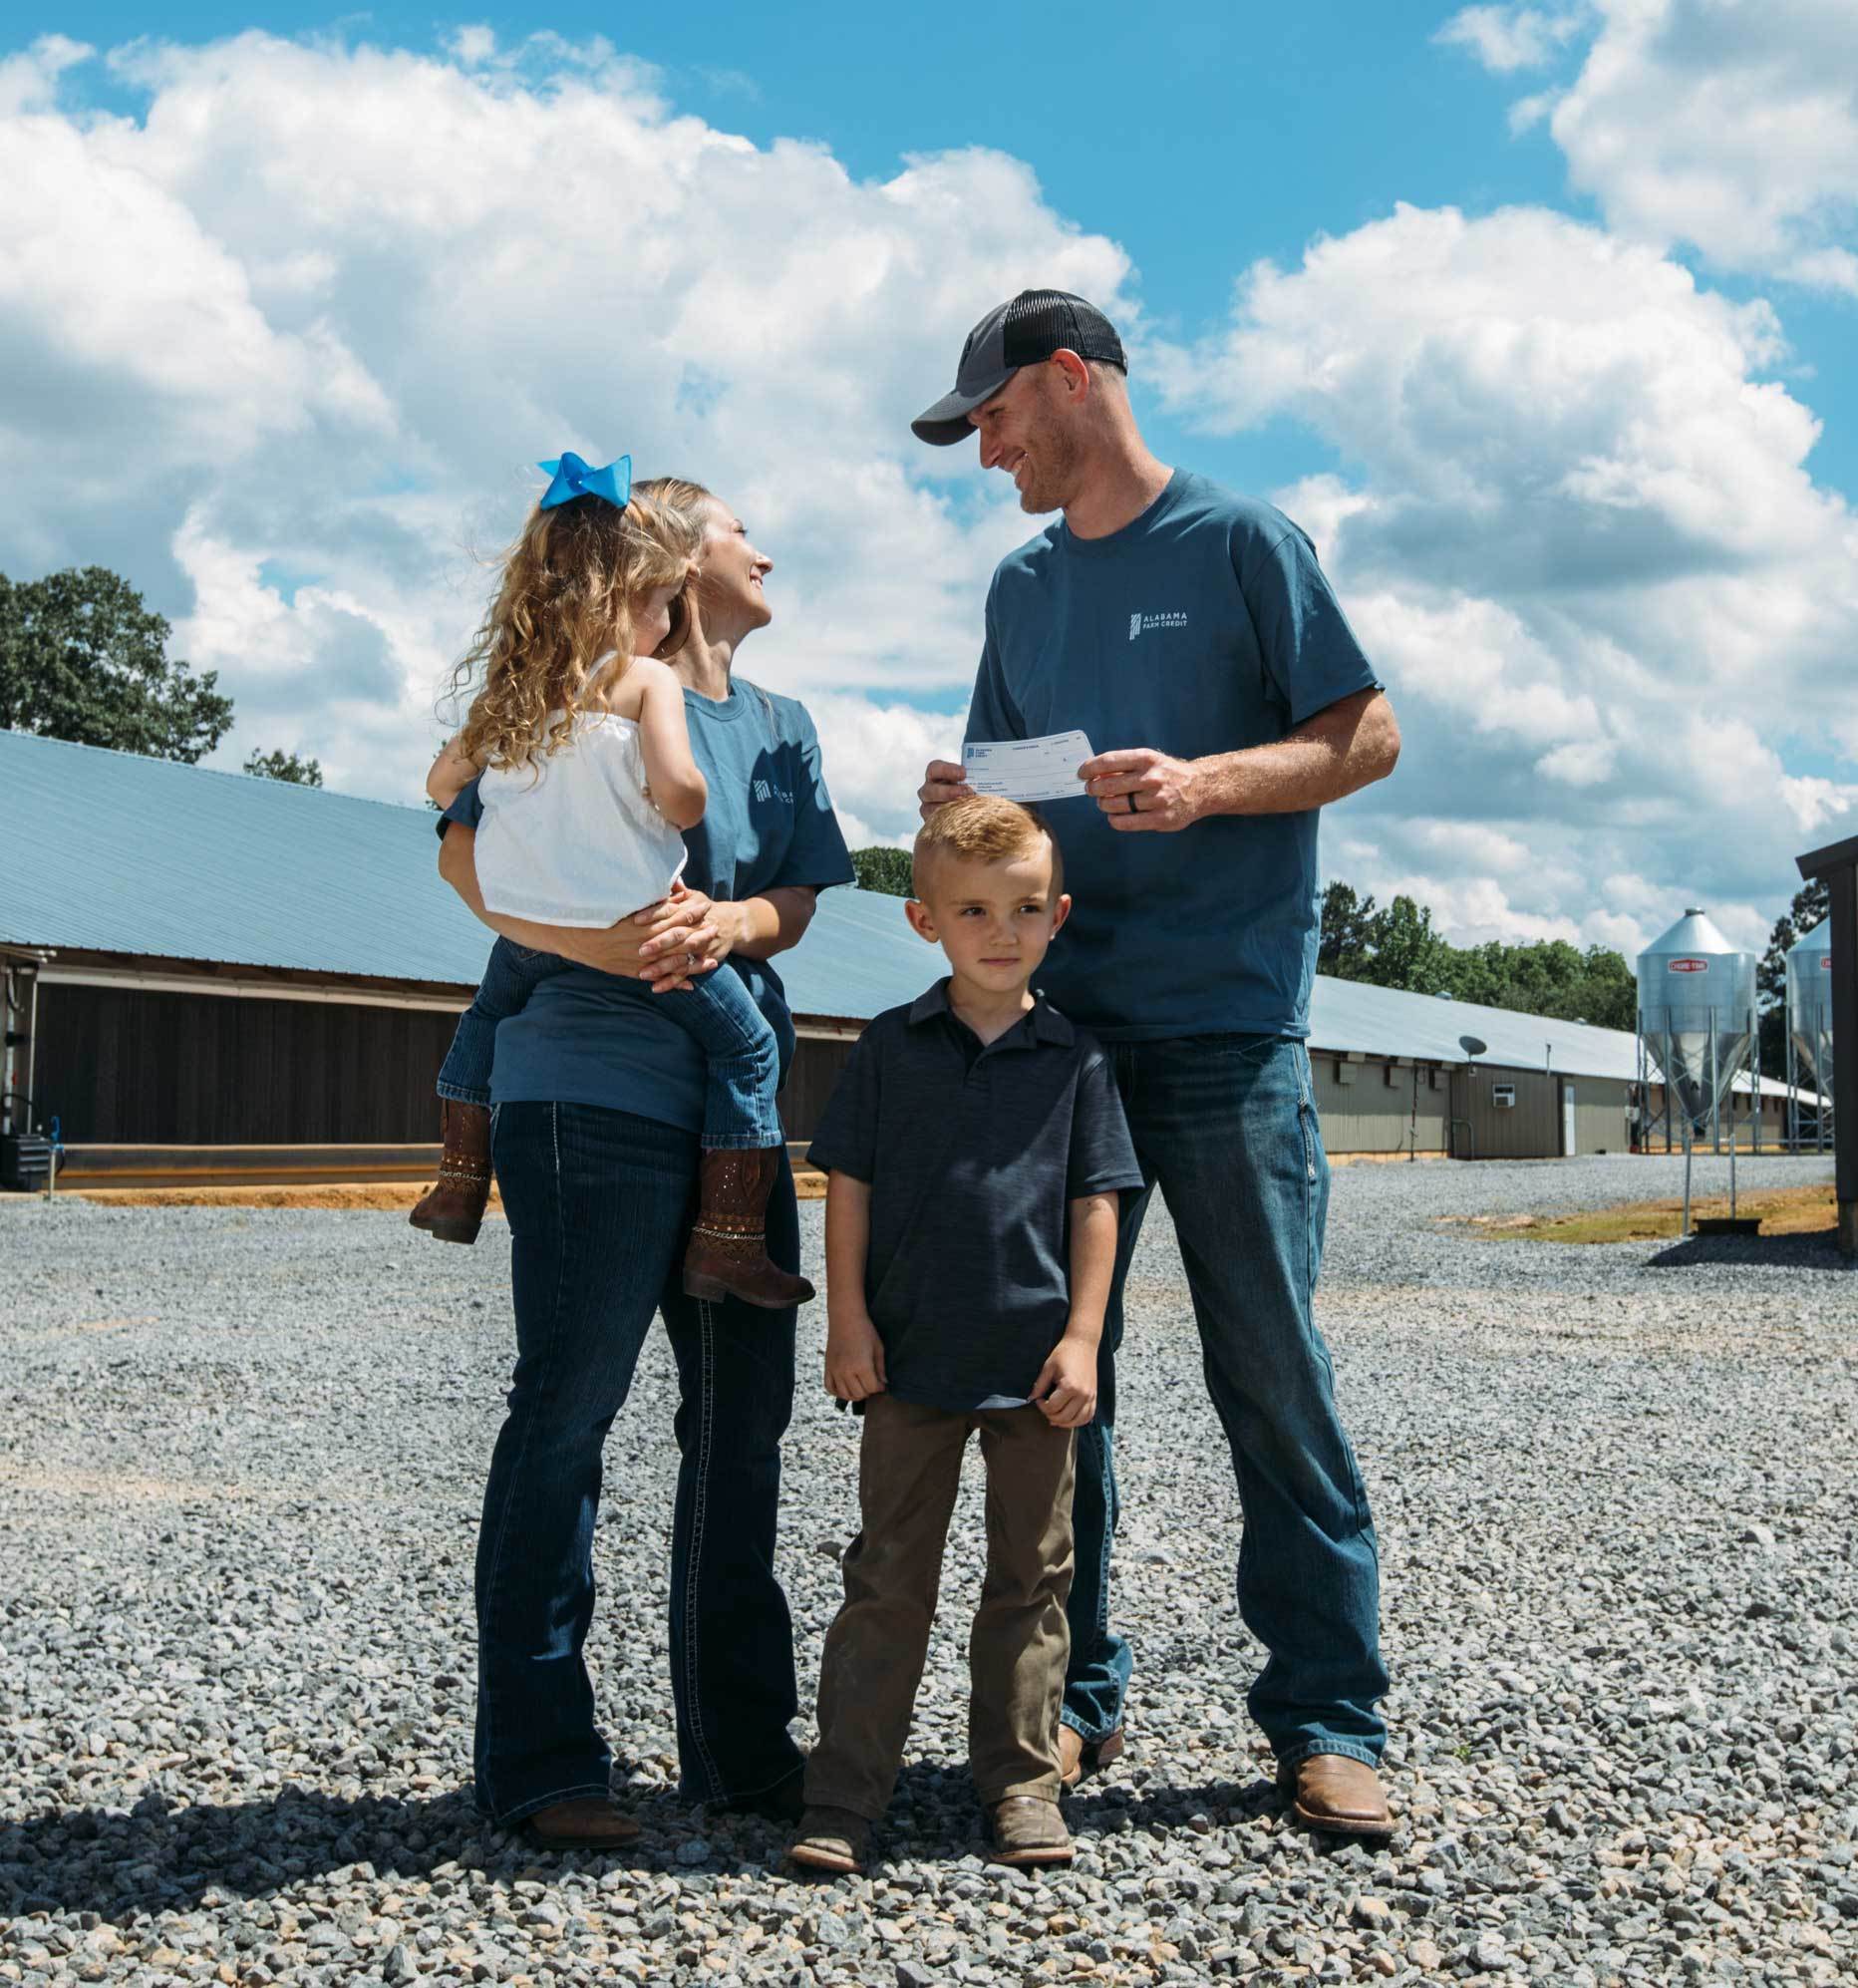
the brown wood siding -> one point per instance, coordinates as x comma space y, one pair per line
810, 1077
132, 1067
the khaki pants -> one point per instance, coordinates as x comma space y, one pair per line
909, 1469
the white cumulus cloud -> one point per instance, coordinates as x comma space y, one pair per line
1727, 124
295, 333
1506, 39
1579, 534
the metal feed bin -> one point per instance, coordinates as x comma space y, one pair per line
1697, 1027
1809, 1039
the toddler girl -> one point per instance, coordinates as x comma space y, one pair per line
579, 742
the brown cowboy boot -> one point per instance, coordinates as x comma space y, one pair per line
728, 1253
453, 1210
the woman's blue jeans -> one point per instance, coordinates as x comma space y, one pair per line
599, 1202
742, 1060
1225, 1126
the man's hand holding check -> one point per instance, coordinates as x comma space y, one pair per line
1137, 790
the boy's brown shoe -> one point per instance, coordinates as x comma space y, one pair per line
453, 1210
1077, 1756
1028, 1830
727, 1255
1334, 1792
831, 1839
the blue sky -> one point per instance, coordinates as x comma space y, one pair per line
1559, 450
1227, 133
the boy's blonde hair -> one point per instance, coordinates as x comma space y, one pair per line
565, 600
981, 828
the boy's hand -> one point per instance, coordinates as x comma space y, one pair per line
1065, 1391
854, 1358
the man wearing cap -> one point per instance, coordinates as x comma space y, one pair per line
1191, 636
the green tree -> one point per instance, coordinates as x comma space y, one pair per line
83, 658
286, 767
887, 870
1397, 946
1343, 942
1403, 950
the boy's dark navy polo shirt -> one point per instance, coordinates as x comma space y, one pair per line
973, 1155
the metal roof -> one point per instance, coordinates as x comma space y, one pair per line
109, 853
113, 853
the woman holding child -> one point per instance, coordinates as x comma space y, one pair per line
620, 1079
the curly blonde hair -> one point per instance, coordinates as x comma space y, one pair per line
566, 599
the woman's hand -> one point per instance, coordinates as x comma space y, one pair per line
668, 945
687, 936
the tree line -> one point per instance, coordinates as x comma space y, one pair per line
84, 658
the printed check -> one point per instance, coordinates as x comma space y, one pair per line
1027, 769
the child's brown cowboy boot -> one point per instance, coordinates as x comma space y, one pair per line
728, 1253
453, 1210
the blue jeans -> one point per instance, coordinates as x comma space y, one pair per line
599, 1203
741, 1060
1225, 1126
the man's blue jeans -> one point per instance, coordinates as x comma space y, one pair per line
742, 1060
1225, 1126
599, 1204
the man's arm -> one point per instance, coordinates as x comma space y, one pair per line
854, 1354
1066, 1390
1349, 746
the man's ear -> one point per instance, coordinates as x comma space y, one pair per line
1059, 912
922, 919
1074, 375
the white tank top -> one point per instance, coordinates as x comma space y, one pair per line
573, 838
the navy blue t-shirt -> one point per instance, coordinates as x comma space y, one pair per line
591, 1038
1204, 626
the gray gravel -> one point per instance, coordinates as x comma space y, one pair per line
240, 1454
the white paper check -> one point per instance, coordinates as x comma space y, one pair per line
1027, 769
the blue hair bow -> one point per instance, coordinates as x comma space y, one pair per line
572, 478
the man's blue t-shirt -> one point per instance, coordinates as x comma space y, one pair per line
1204, 626
591, 1038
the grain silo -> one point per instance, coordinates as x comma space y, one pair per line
1696, 1024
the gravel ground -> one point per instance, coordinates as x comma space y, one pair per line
239, 1461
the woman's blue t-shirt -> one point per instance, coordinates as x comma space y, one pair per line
590, 1038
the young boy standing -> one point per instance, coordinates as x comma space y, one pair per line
976, 1147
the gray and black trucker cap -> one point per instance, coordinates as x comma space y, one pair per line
1035, 324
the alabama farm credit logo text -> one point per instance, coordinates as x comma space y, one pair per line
1686, 966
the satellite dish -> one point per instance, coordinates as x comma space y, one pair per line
1473, 1045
